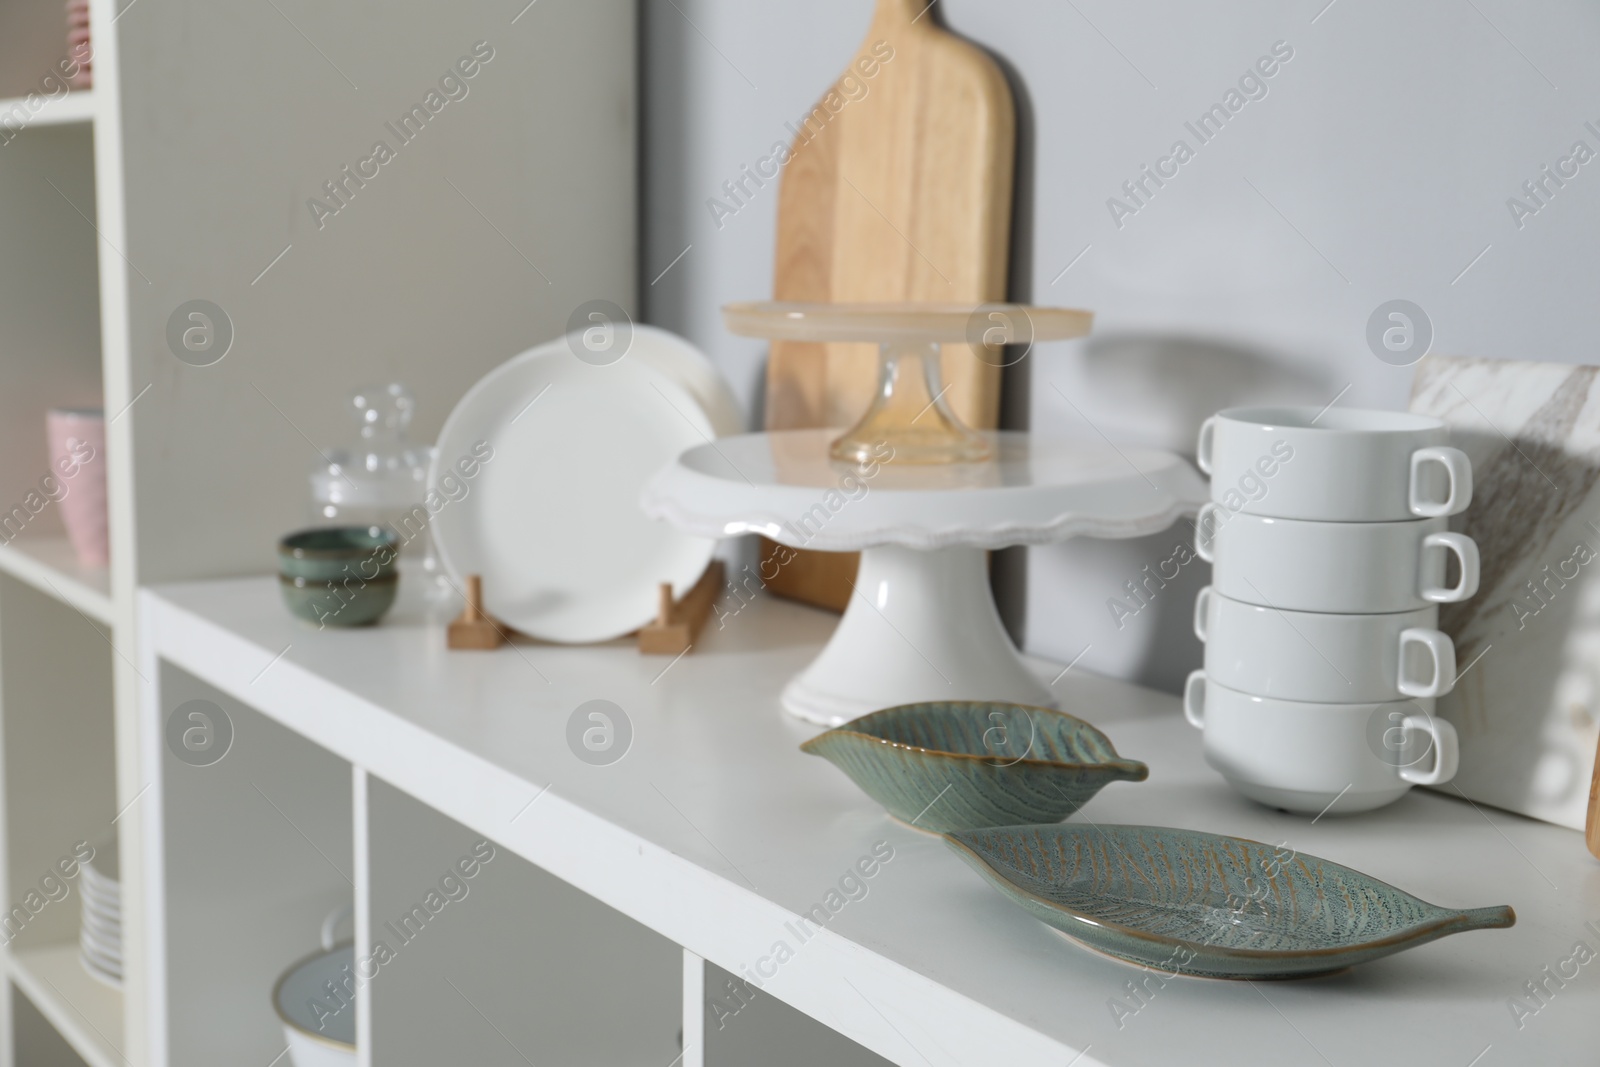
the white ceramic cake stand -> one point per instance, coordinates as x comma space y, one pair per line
922, 624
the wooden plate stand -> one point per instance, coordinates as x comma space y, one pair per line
672, 633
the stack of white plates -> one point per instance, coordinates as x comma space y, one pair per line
100, 941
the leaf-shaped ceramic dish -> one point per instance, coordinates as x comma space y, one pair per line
1193, 903
960, 765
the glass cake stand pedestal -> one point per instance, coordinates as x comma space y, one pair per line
922, 623
909, 409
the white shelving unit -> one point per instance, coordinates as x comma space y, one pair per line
713, 834
50, 566
186, 174
19, 113
624, 903
84, 1011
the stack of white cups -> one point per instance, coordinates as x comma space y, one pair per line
1327, 536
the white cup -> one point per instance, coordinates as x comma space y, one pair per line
1322, 657
1316, 758
1333, 465
1339, 567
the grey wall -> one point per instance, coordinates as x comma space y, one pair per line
1377, 167
511, 207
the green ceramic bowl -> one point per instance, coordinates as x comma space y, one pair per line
964, 765
340, 576
1193, 903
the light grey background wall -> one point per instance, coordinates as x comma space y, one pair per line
508, 208
1377, 166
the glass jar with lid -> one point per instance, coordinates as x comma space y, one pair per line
381, 479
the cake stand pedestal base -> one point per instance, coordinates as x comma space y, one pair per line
921, 625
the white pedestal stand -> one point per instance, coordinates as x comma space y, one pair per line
922, 624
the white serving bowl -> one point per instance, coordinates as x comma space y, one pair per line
334, 1044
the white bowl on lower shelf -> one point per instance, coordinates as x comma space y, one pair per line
318, 1038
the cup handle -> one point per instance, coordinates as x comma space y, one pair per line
1442, 653
1202, 605
1466, 553
1194, 700
1204, 543
331, 924
1446, 750
1202, 447
1459, 470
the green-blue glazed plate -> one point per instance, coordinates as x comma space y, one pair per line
1192, 903
960, 765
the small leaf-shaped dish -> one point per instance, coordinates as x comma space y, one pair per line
1193, 903
960, 765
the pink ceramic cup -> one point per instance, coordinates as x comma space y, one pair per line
78, 464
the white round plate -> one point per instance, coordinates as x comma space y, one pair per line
106, 960
552, 520
106, 942
673, 356
106, 899
106, 862
689, 367
107, 934
92, 877
98, 876
101, 912
109, 977
106, 955
100, 915
101, 903
106, 928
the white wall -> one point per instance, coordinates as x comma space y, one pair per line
1378, 166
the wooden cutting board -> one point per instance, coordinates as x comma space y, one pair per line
899, 188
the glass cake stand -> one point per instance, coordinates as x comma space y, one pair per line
922, 623
909, 412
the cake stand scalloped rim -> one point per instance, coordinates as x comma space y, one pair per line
992, 536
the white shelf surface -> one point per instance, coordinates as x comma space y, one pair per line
86, 1012
714, 831
50, 566
75, 106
